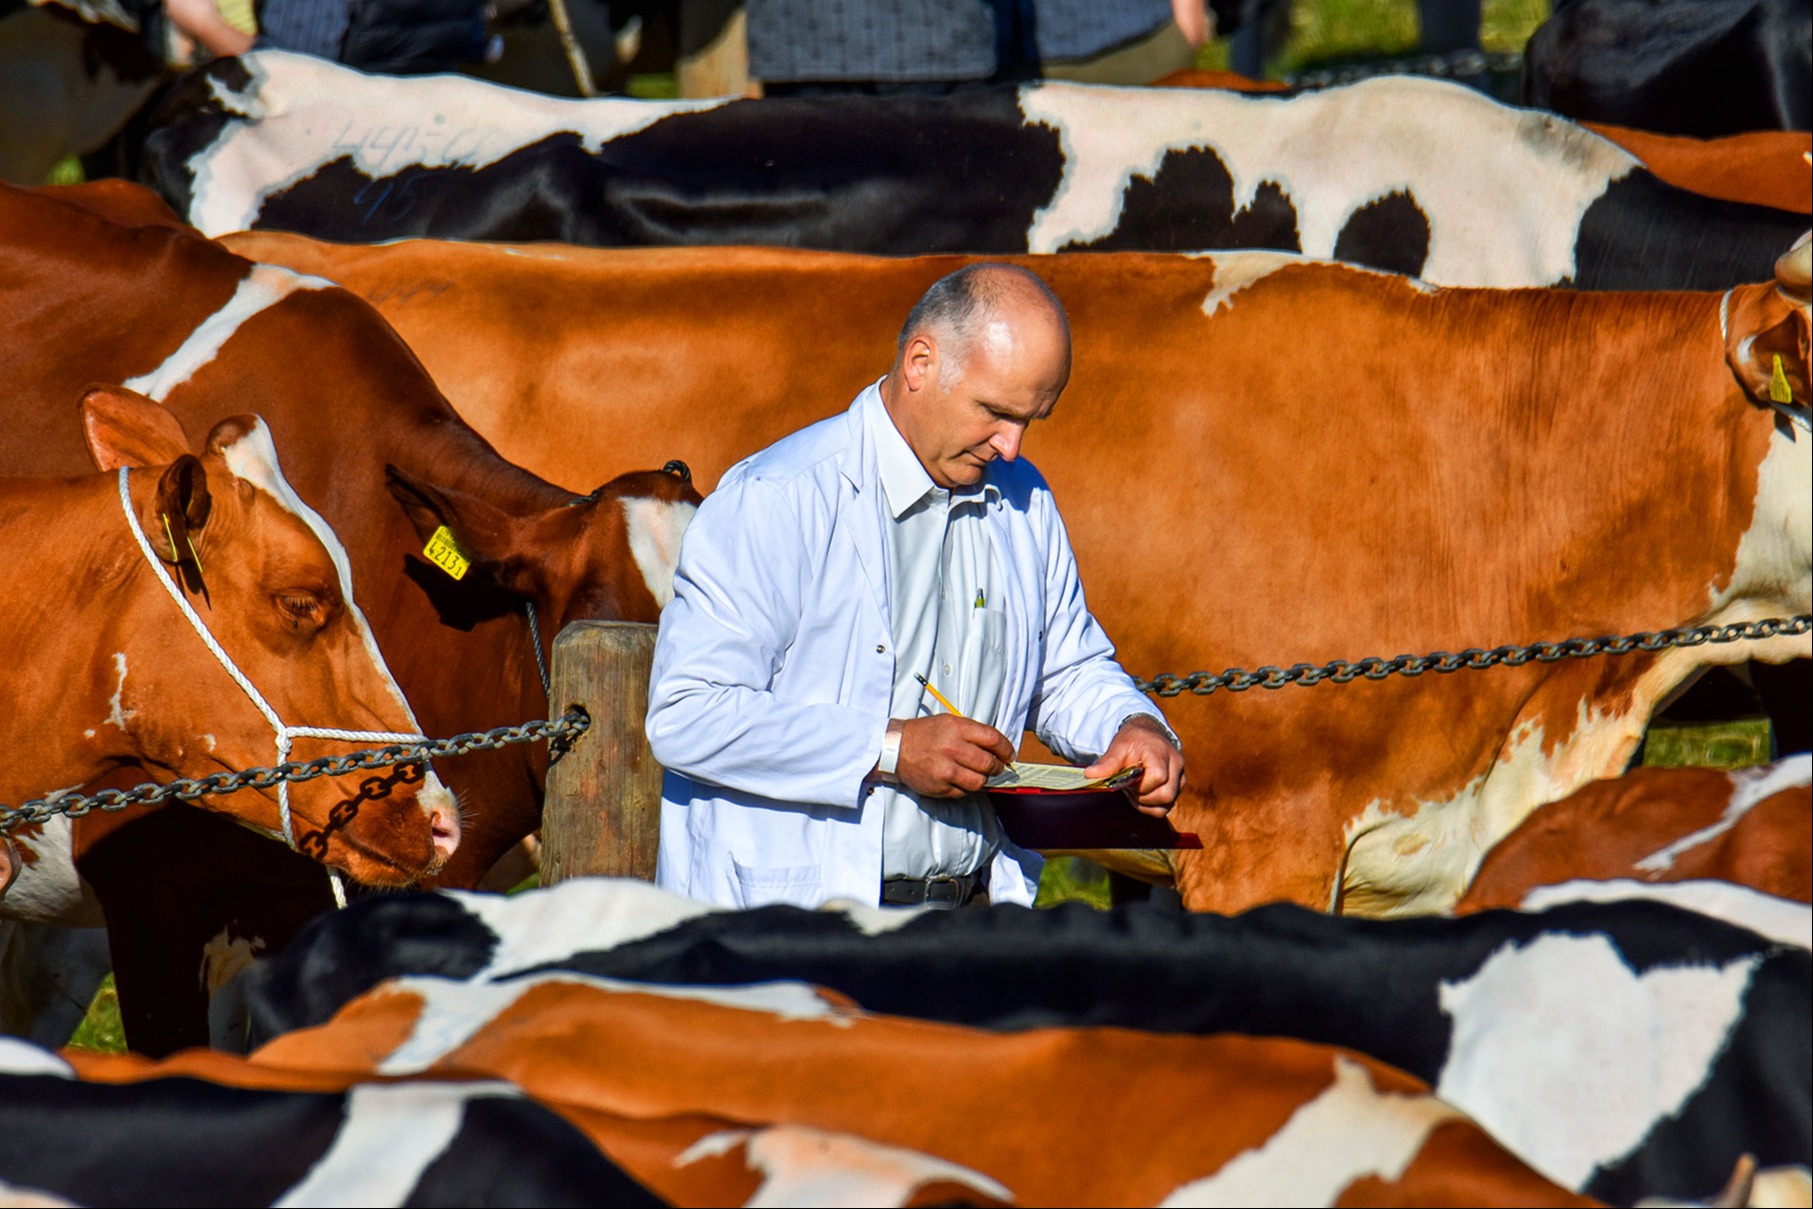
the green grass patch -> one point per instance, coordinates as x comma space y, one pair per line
1073, 879
1330, 32
101, 1031
655, 86
1739, 744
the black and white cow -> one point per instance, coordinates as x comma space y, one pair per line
1409, 175
1695, 67
1623, 1049
187, 1141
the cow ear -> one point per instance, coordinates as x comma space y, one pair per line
179, 511
480, 534
1767, 334
124, 428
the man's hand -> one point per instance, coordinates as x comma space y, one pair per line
1142, 743
946, 757
1195, 19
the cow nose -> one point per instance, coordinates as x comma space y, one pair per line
443, 813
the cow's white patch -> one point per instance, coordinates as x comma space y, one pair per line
224, 957
453, 1011
1234, 271
48, 890
1779, 919
1570, 1058
1748, 787
20, 1057
319, 112
16, 1196
390, 1136
88, 733
805, 1166
1773, 576
871, 920
655, 528
117, 713
1334, 151
1418, 858
253, 458
207, 741
1781, 1187
1351, 1131
539, 927
262, 288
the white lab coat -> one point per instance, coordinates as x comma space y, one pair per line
774, 670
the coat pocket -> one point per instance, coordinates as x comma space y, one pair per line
765, 885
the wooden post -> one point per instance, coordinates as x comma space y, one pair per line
713, 55
602, 816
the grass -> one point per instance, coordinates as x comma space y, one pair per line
100, 1030
1073, 879
1329, 32
1738, 744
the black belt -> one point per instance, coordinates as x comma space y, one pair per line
943, 892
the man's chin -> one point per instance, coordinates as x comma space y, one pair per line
965, 473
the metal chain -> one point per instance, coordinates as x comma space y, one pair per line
560, 732
1238, 680
1460, 64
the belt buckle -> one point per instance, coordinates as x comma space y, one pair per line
944, 891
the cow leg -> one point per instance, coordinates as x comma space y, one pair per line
186, 894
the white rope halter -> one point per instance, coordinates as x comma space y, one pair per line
285, 734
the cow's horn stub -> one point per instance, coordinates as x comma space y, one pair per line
680, 468
1794, 270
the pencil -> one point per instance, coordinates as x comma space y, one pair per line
927, 685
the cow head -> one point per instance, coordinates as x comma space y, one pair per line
269, 582
1767, 336
605, 556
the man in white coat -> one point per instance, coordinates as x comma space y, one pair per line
805, 759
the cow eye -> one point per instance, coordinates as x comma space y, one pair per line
302, 610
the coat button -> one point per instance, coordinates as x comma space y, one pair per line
881, 648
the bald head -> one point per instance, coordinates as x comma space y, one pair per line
1003, 306
985, 354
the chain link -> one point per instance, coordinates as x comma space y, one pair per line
1460, 64
560, 732
1341, 671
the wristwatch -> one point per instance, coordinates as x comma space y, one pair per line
890, 751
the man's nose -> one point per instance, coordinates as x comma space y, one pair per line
1007, 442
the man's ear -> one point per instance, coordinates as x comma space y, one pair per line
1767, 332
482, 535
124, 428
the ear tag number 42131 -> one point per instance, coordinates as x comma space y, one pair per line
446, 554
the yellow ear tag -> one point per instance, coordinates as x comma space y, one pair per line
446, 554
1779, 390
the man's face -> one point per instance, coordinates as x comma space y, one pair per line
975, 407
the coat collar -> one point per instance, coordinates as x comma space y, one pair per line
865, 521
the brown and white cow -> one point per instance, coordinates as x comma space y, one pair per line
1660, 827
785, 1094
182, 321
1261, 460
164, 617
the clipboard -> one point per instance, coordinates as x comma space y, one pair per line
1096, 815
